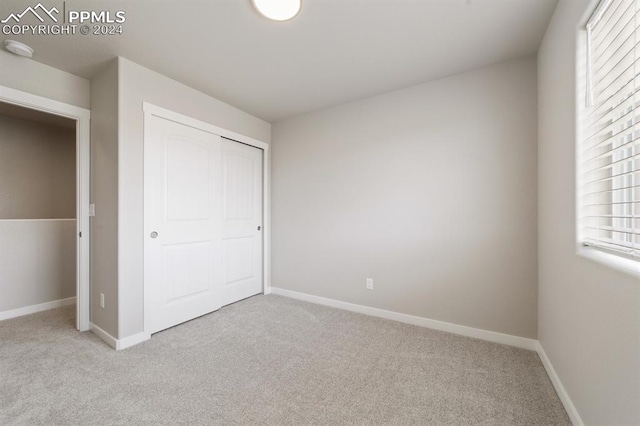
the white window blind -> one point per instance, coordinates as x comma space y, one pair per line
609, 152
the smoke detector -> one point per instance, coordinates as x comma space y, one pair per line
18, 48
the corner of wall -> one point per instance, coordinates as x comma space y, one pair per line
104, 194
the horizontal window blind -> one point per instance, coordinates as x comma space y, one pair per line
609, 156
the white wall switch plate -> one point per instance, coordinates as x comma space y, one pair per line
369, 283
102, 300
92, 210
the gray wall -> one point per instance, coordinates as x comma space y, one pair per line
104, 194
42, 80
37, 262
37, 189
37, 170
137, 85
431, 191
589, 314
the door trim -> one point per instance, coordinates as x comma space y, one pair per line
82, 117
151, 110
157, 111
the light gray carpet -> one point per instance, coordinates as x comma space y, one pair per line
268, 360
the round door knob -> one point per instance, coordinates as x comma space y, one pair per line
154, 234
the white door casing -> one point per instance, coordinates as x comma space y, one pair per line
242, 221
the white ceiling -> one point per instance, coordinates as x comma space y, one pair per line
334, 51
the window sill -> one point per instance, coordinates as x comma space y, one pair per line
621, 264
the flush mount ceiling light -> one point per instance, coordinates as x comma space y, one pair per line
278, 10
18, 48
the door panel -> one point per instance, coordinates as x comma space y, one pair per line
183, 198
239, 257
188, 270
242, 217
239, 187
187, 166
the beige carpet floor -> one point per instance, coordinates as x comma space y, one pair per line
268, 360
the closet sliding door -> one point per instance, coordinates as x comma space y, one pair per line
182, 222
203, 219
242, 221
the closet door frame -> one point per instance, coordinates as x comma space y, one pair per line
82, 118
151, 110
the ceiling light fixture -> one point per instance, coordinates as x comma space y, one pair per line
278, 10
18, 48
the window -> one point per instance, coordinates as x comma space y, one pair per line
609, 150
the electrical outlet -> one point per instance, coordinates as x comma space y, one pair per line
369, 283
102, 300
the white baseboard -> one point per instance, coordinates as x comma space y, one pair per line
560, 390
106, 337
118, 344
491, 336
127, 342
36, 308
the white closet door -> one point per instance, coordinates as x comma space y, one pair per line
242, 221
183, 223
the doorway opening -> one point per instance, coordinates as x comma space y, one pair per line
44, 195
